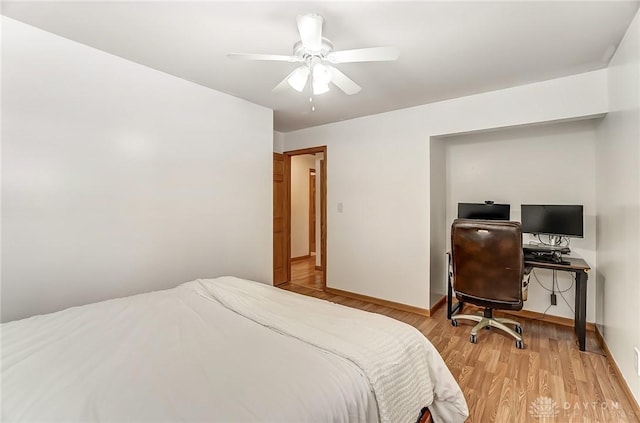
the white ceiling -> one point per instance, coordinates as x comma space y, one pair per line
448, 49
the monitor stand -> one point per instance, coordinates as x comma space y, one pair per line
555, 240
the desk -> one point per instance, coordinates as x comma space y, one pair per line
576, 265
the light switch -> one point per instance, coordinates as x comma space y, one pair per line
339, 207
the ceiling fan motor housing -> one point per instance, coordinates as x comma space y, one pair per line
300, 51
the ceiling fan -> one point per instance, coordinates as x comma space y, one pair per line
318, 57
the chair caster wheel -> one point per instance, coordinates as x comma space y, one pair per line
454, 323
473, 339
519, 345
518, 329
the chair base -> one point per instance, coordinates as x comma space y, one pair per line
489, 322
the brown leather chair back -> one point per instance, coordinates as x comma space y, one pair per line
488, 263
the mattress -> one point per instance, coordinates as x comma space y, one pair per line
220, 350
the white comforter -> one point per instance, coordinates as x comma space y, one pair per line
181, 355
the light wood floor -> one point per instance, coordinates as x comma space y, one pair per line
304, 273
502, 383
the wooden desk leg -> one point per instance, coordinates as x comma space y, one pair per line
581, 308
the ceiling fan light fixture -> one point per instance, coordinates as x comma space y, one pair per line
321, 78
321, 74
320, 88
298, 80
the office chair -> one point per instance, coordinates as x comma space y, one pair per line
488, 270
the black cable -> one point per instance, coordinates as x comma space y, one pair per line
548, 243
561, 292
540, 319
549, 290
565, 300
562, 240
545, 311
568, 289
533, 272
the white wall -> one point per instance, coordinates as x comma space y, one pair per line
300, 166
437, 224
618, 208
541, 164
380, 170
119, 179
278, 142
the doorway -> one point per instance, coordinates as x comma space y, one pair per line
300, 230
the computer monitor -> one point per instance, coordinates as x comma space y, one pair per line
484, 211
558, 220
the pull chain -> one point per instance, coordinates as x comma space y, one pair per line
313, 107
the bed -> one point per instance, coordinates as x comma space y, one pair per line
222, 350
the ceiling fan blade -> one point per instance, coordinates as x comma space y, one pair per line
372, 54
268, 57
343, 82
283, 85
310, 28
297, 80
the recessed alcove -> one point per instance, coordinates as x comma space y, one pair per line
545, 163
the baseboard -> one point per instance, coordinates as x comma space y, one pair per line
616, 370
318, 267
441, 302
301, 258
379, 301
534, 315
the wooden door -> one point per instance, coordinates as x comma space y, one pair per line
280, 223
312, 211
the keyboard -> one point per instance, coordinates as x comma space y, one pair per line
533, 248
546, 258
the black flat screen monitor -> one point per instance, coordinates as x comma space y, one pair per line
484, 211
562, 220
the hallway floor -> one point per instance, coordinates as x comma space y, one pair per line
304, 273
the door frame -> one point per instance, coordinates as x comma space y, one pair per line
281, 199
323, 205
312, 210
